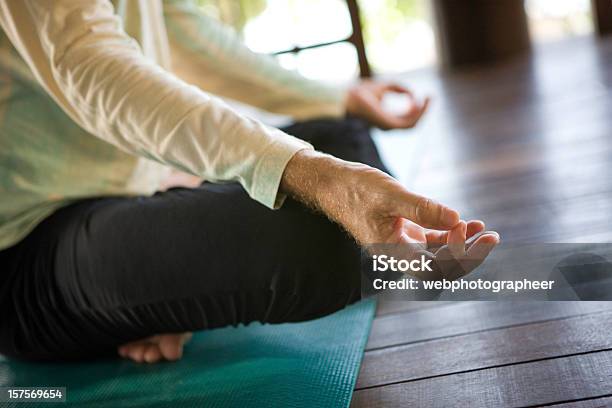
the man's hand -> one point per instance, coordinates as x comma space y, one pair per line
365, 101
376, 209
454, 253
365, 201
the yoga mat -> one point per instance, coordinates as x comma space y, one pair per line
311, 364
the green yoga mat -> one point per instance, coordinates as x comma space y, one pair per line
311, 364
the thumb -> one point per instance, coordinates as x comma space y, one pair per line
425, 211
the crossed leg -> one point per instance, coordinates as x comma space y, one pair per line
134, 274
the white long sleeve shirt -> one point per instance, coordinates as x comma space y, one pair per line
101, 98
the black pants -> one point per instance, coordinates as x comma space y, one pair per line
105, 271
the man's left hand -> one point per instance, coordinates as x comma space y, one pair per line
364, 100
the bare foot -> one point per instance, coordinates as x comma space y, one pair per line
153, 349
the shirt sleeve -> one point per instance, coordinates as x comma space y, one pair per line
212, 56
79, 53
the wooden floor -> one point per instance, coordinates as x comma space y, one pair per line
527, 147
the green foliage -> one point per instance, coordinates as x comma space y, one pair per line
385, 22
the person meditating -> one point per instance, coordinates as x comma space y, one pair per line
99, 255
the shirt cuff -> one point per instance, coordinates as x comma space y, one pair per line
271, 166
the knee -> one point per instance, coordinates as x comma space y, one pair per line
324, 270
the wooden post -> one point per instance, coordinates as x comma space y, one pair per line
480, 31
357, 39
602, 16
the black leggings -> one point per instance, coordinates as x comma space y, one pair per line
105, 271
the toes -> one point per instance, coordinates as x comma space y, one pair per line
137, 352
155, 348
152, 353
171, 346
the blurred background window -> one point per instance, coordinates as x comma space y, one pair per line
399, 34
551, 20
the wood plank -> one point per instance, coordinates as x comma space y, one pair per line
509, 85
524, 146
468, 317
522, 385
520, 164
486, 349
550, 223
602, 402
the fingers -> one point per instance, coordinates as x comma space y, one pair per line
399, 89
454, 255
425, 106
480, 249
414, 114
425, 212
476, 249
485, 243
456, 240
398, 234
365, 101
474, 227
386, 120
436, 239
374, 113
454, 261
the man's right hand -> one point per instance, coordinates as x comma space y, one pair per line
365, 201
373, 207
